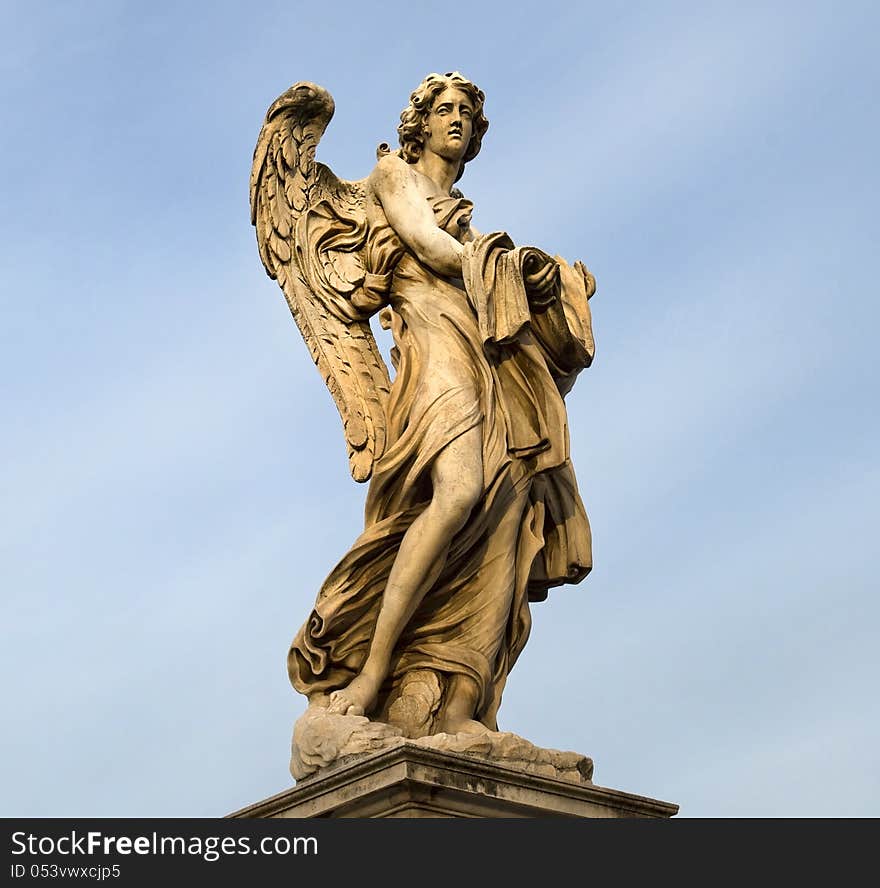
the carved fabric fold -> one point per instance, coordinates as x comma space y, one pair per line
529, 530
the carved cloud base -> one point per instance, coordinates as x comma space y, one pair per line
351, 767
322, 739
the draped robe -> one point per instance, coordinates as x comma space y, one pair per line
469, 353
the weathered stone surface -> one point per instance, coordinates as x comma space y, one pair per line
322, 738
414, 708
514, 752
413, 780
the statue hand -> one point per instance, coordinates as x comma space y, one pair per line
540, 278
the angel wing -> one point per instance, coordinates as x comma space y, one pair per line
312, 234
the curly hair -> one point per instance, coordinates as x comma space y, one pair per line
412, 119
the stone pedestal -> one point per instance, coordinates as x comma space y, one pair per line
412, 780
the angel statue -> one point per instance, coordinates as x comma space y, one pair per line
472, 510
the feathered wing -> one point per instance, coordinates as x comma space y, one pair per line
311, 231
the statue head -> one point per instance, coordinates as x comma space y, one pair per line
414, 117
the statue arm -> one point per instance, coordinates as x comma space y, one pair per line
394, 185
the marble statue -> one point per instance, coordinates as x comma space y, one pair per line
472, 509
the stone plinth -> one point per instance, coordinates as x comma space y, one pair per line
410, 780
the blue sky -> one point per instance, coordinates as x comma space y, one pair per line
173, 481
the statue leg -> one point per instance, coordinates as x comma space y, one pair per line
462, 697
498, 572
457, 478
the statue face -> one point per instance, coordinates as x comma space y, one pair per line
449, 124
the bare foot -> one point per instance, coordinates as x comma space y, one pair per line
453, 725
357, 698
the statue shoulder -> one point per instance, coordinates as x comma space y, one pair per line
390, 171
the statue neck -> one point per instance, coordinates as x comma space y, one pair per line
439, 170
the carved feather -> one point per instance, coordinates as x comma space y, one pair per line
311, 232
